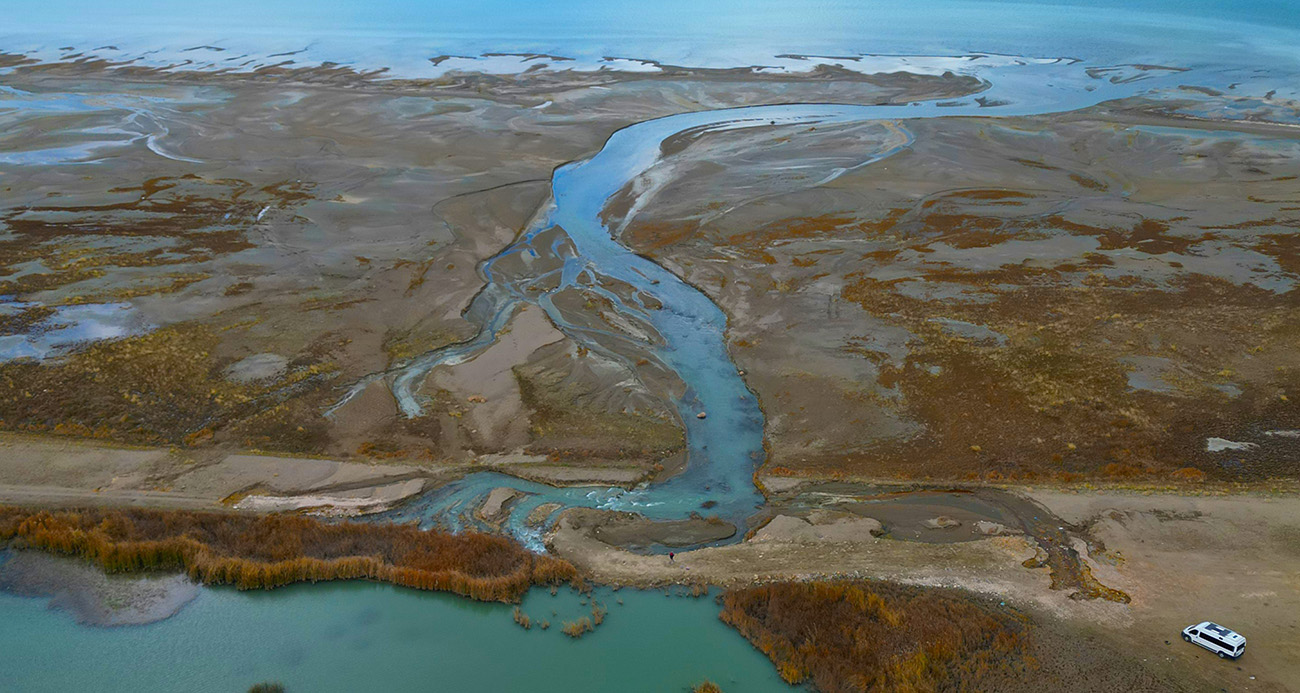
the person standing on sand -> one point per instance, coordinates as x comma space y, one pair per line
671, 555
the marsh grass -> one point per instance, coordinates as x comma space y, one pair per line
849, 636
578, 628
252, 552
164, 387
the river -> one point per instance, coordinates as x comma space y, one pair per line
571, 247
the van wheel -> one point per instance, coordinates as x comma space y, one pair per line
1187, 637
1222, 656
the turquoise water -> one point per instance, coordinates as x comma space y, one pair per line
403, 34
370, 637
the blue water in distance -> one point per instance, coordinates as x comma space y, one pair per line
403, 34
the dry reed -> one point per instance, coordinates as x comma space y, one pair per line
269, 551
868, 636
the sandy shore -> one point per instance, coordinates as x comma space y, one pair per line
42, 471
1181, 558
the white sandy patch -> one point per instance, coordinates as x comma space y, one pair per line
1221, 444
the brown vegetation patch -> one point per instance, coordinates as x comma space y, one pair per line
980, 195
266, 551
849, 636
650, 236
1284, 248
161, 222
163, 387
403, 345
1053, 402
25, 320
825, 225
1087, 182
586, 624
1148, 236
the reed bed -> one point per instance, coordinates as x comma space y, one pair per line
853, 636
267, 551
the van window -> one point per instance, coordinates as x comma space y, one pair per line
1215, 641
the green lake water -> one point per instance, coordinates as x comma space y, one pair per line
357, 636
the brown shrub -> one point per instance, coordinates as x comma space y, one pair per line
869, 636
578, 628
522, 619
1188, 474
273, 550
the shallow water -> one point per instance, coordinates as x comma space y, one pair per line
363, 636
67, 326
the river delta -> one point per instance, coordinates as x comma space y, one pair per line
1018, 322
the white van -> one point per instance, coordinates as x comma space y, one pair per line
1224, 642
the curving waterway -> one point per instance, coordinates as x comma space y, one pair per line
570, 247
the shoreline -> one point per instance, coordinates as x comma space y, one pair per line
1130, 536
